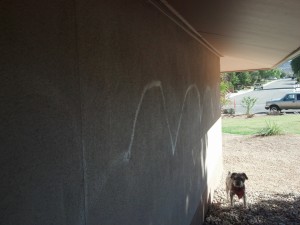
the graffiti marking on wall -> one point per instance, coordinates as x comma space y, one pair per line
157, 84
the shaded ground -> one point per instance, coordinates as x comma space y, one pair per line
272, 165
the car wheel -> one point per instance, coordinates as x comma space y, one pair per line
274, 108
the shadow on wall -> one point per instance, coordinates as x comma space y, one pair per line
161, 178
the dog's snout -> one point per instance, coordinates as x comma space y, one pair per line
238, 183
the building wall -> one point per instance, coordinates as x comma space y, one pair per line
110, 115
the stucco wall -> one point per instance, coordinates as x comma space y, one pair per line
110, 115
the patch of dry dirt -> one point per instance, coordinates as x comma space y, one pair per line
272, 165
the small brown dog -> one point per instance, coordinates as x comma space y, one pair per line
235, 185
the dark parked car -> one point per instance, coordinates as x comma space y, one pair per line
289, 101
258, 86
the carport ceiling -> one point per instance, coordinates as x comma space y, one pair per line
247, 34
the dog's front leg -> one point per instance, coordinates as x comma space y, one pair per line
227, 191
245, 203
231, 199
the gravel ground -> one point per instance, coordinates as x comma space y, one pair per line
272, 165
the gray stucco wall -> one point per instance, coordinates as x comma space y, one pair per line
105, 109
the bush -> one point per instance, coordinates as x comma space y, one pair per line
230, 111
271, 128
224, 90
248, 103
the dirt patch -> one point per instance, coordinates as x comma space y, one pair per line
272, 165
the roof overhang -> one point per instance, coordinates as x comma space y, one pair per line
247, 35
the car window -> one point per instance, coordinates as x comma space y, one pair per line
290, 97
298, 97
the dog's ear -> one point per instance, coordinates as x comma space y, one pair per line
233, 175
244, 175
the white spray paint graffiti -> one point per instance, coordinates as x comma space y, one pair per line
157, 84
125, 157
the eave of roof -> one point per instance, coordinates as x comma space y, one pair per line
246, 35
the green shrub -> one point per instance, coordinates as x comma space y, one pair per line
248, 103
230, 111
271, 128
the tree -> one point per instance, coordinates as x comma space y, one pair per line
248, 103
255, 77
237, 80
233, 79
245, 78
276, 73
224, 90
295, 64
265, 74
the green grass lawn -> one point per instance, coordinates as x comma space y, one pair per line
241, 125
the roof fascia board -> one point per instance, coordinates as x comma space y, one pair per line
164, 7
292, 55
